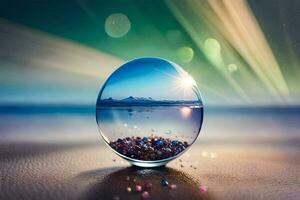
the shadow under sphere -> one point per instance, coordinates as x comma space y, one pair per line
113, 185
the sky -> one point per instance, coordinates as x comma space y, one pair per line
61, 52
148, 77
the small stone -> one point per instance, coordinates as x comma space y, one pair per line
164, 182
203, 188
127, 178
168, 150
145, 195
173, 186
138, 188
159, 142
148, 148
128, 189
175, 142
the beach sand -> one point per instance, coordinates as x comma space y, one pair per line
232, 166
90, 171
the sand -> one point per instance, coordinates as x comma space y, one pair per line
92, 171
236, 157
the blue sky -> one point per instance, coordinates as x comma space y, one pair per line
147, 77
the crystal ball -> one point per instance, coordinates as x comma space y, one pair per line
149, 111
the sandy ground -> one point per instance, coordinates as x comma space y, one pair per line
241, 158
88, 171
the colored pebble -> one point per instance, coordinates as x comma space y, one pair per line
128, 189
148, 148
145, 195
138, 188
203, 188
175, 142
173, 186
164, 182
159, 142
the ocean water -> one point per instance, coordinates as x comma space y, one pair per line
272, 126
175, 122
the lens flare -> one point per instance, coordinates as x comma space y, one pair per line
185, 112
185, 54
117, 25
187, 82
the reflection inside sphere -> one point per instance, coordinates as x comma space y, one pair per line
149, 111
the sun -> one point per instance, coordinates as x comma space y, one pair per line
183, 85
187, 82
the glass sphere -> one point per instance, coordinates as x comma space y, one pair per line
149, 111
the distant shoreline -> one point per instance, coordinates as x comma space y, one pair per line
147, 103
